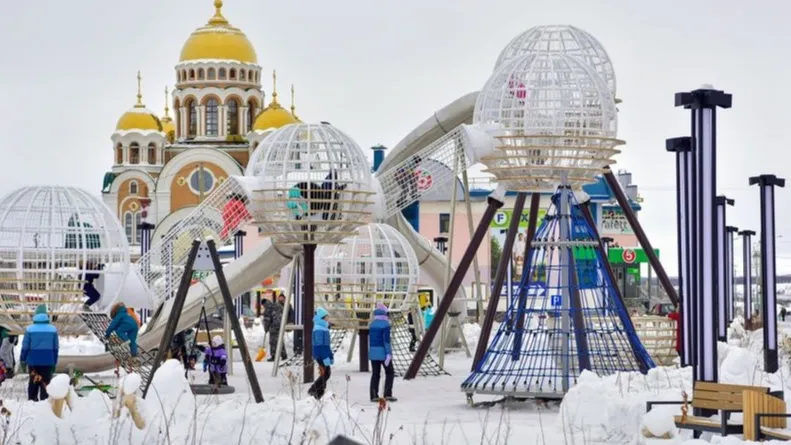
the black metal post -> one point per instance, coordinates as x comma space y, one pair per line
747, 276
703, 103
722, 267
499, 279
238, 251
442, 309
682, 147
441, 242
235, 325
308, 306
731, 269
362, 349
767, 185
174, 315
623, 202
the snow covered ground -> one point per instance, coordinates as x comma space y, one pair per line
430, 410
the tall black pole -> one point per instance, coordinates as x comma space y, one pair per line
721, 203
703, 104
238, 251
308, 304
747, 276
767, 185
499, 279
682, 147
146, 231
494, 202
731, 269
252, 379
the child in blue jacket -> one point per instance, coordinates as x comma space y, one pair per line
124, 326
40, 354
380, 352
322, 352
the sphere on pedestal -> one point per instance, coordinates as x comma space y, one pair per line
53, 239
553, 119
377, 265
314, 185
564, 39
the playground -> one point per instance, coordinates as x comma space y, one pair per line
556, 348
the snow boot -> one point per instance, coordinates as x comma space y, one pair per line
391, 399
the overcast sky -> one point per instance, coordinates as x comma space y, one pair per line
377, 68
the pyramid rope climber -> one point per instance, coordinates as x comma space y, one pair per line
141, 364
567, 316
403, 348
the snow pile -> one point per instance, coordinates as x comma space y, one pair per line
658, 423
131, 383
59, 386
79, 345
472, 332
606, 410
173, 415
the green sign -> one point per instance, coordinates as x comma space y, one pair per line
502, 218
629, 255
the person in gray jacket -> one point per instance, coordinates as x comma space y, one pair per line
7, 344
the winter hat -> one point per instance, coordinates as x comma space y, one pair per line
321, 313
381, 309
41, 309
216, 342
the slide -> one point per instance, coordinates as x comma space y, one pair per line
267, 259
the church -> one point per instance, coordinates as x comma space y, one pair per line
165, 166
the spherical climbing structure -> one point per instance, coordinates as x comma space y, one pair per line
53, 239
315, 185
377, 265
553, 120
561, 39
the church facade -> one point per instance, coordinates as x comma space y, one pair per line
169, 164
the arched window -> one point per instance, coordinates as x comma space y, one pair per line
201, 74
192, 74
133, 187
152, 152
232, 117
201, 181
134, 153
119, 154
212, 112
192, 119
250, 116
232, 74
250, 75
129, 226
212, 74
221, 73
242, 75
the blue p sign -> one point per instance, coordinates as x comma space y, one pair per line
556, 300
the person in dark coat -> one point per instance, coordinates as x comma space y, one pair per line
88, 288
40, 354
273, 318
322, 352
380, 352
124, 326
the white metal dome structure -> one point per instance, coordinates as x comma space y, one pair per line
553, 121
314, 185
50, 238
377, 265
565, 39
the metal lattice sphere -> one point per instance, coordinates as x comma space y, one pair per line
315, 185
53, 239
553, 120
377, 265
565, 39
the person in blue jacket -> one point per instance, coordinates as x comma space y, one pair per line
39, 354
124, 326
322, 352
380, 352
428, 316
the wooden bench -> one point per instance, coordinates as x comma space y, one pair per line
720, 397
763, 415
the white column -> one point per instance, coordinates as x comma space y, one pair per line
201, 120
221, 130
243, 119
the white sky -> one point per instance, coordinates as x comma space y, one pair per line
377, 68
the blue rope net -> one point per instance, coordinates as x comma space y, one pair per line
566, 317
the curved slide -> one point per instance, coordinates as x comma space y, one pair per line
266, 259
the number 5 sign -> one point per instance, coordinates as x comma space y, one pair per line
628, 256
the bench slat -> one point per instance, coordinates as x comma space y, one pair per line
779, 435
758, 403
717, 405
692, 420
727, 387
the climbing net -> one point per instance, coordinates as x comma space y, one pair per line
337, 336
566, 317
403, 346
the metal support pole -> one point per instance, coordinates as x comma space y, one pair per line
722, 267
449, 268
747, 276
495, 202
623, 202
475, 266
252, 379
682, 147
532, 225
767, 185
281, 335
499, 278
308, 303
731, 270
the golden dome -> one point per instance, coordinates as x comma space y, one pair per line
168, 127
139, 117
218, 40
274, 115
